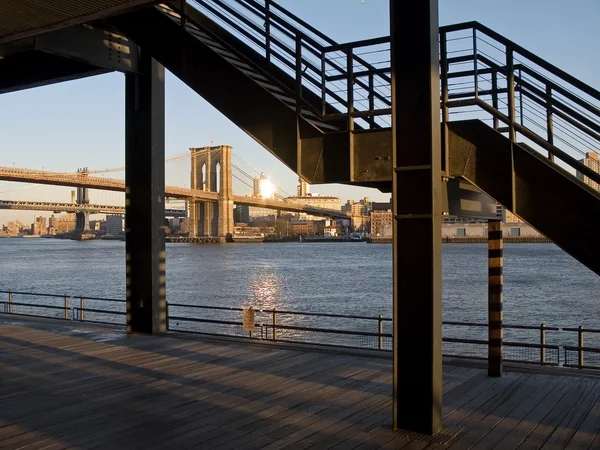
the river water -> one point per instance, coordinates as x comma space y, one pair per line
542, 283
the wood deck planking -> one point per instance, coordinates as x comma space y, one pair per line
69, 385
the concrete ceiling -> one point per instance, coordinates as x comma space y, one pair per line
25, 18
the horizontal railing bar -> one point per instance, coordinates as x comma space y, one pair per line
585, 349
219, 308
114, 300
357, 44
571, 161
195, 319
560, 89
328, 330
105, 311
32, 315
35, 293
62, 308
359, 74
560, 105
585, 330
539, 61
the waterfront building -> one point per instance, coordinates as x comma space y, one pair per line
303, 189
114, 224
39, 228
362, 207
14, 228
66, 223
382, 223
263, 188
247, 214
592, 161
53, 221
317, 201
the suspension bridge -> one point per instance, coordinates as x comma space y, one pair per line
210, 195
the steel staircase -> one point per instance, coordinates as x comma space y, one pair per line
514, 125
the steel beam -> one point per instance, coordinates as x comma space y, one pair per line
416, 158
145, 197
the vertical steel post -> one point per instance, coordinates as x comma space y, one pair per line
380, 332
580, 340
520, 97
542, 343
274, 325
145, 198
416, 195
495, 96
10, 301
495, 281
66, 307
510, 86
549, 119
81, 315
445, 96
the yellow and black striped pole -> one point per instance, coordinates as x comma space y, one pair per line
495, 281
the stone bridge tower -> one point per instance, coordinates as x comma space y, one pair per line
211, 171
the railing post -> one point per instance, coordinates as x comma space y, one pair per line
268, 29
510, 86
81, 315
167, 313
66, 307
549, 119
521, 96
350, 89
10, 305
298, 74
380, 328
323, 84
542, 343
475, 63
274, 325
371, 95
580, 335
495, 97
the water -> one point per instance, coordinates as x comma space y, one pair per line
542, 283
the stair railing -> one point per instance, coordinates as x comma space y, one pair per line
482, 75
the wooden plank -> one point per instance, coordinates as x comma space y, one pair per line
571, 421
492, 413
587, 430
536, 415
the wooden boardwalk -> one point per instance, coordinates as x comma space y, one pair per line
66, 385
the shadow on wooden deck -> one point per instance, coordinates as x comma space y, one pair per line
68, 385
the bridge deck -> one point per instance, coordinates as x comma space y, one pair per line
66, 385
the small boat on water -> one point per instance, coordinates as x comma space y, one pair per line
248, 238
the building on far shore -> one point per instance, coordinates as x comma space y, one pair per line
114, 224
591, 160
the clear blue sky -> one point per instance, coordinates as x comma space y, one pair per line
81, 123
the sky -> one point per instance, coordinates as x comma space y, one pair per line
81, 123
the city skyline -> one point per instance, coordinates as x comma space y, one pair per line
81, 123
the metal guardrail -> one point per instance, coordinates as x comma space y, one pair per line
330, 329
483, 75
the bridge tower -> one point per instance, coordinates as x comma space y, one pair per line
211, 171
82, 219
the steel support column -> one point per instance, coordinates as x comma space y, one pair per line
417, 380
145, 197
495, 280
